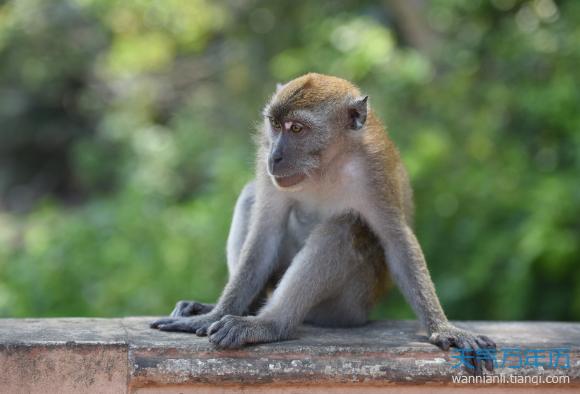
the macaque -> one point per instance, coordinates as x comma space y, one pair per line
322, 227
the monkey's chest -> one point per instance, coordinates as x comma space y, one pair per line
336, 195
301, 222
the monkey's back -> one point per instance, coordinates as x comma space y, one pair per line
384, 158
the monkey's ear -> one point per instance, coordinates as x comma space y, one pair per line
357, 112
279, 86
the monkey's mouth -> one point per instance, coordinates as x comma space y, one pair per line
289, 181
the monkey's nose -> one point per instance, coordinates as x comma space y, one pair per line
275, 160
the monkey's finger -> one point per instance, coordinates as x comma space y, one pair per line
476, 365
458, 343
226, 338
476, 361
470, 349
489, 365
483, 344
490, 342
227, 332
165, 320
215, 327
217, 337
444, 344
219, 333
179, 326
201, 332
480, 342
462, 343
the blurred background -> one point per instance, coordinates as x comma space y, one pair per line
125, 137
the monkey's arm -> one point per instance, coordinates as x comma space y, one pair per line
258, 255
408, 267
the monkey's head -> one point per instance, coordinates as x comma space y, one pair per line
307, 122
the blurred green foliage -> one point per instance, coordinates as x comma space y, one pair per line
125, 137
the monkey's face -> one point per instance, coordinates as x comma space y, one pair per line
296, 145
306, 123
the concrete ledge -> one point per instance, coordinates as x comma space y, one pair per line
124, 355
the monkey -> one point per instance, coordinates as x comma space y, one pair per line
322, 228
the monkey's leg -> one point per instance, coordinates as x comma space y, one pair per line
236, 238
256, 264
352, 304
327, 265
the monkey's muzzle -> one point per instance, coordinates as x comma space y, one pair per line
289, 181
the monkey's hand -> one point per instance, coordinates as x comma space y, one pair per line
236, 331
195, 324
474, 347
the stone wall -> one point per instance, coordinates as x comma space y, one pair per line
125, 355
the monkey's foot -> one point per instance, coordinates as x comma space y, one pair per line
196, 324
236, 331
190, 308
473, 347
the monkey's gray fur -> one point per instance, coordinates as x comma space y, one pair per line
329, 211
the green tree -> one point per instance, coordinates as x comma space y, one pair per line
126, 134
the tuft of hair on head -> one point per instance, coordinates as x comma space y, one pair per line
314, 89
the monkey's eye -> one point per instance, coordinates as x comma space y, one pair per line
275, 124
296, 128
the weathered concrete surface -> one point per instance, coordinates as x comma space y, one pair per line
63, 356
120, 355
381, 353
352, 389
